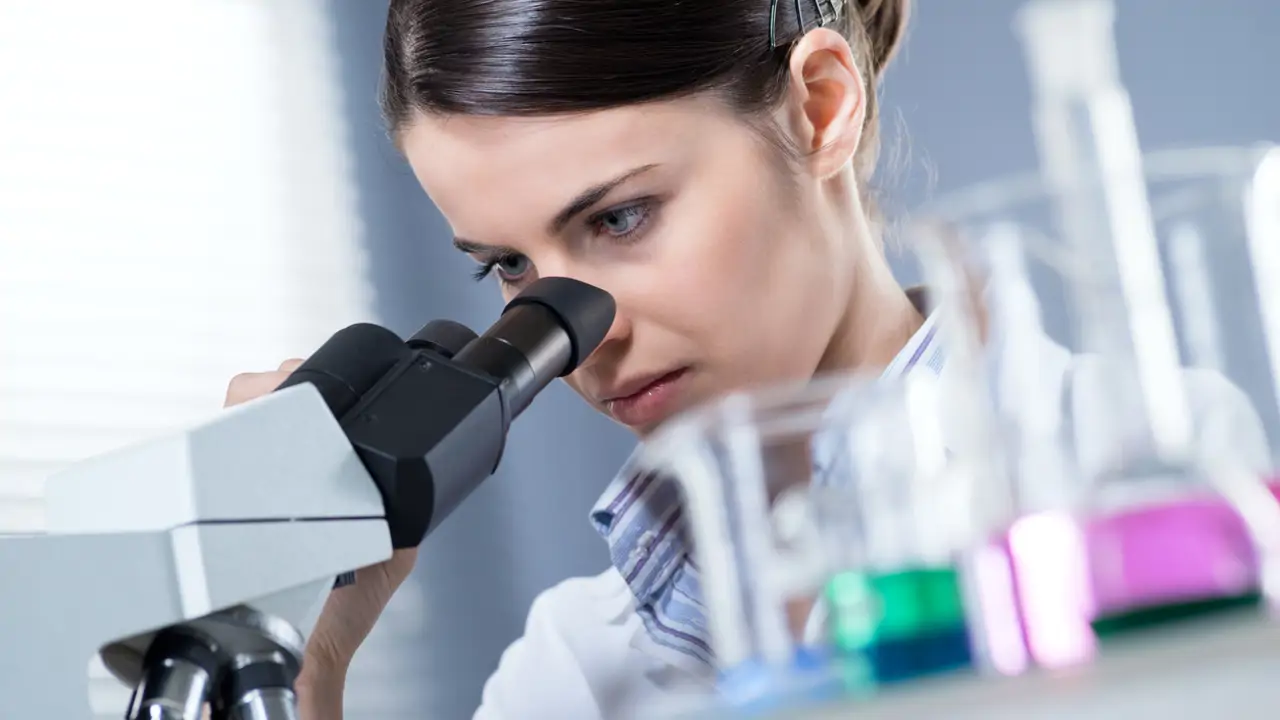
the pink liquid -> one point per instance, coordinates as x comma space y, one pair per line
1050, 578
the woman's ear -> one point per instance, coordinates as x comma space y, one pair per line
827, 101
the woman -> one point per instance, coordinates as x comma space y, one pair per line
707, 162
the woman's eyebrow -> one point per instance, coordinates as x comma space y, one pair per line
472, 247
583, 201
591, 196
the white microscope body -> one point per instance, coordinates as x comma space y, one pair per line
258, 509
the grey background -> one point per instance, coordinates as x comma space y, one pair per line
955, 104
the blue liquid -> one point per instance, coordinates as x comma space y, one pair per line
754, 689
919, 655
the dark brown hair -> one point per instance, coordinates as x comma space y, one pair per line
540, 57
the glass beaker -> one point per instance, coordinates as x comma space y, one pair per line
826, 519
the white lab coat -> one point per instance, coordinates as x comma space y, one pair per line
585, 654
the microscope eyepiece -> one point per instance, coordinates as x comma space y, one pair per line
584, 312
545, 332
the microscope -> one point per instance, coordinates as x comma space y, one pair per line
194, 565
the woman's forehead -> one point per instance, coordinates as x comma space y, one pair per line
459, 137
546, 159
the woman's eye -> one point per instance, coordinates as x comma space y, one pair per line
511, 268
622, 222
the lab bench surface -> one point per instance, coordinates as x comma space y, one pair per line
1207, 671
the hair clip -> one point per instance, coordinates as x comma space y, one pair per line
825, 13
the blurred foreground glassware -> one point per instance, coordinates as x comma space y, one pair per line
1107, 535
1137, 486
1126, 499
826, 521
1155, 480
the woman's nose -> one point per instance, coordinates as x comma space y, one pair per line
619, 330
612, 347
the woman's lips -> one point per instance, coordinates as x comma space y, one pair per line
651, 404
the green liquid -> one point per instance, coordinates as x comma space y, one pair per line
888, 627
872, 607
1120, 624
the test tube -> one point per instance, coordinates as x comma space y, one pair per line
1092, 164
952, 271
1262, 227
1262, 218
1193, 289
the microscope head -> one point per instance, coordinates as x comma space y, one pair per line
196, 564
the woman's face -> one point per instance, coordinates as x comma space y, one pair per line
722, 274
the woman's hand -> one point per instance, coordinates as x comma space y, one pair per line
350, 612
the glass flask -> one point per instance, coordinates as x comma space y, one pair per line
1120, 523
1149, 283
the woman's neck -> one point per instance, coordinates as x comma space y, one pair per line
876, 326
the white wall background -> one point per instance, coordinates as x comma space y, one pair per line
176, 206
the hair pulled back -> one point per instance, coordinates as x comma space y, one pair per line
542, 57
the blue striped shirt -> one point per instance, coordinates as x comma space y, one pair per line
641, 519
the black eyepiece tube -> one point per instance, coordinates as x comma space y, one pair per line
544, 333
585, 312
524, 350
